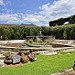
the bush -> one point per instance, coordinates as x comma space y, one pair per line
20, 32
64, 34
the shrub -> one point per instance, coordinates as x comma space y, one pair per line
20, 32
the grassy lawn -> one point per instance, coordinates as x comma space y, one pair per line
45, 65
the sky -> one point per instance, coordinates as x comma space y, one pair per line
38, 12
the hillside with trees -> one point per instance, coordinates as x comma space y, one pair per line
61, 21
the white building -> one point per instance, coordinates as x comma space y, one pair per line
66, 23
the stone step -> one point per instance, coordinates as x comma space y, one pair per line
37, 46
2, 56
55, 45
1, 63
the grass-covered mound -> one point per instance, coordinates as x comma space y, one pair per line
45, 65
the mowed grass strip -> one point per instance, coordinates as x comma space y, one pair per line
45, 65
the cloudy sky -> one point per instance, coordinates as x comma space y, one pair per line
38, 12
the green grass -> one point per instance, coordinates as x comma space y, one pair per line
65, 52
45, 65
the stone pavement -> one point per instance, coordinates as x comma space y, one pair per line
65, 72
36, 49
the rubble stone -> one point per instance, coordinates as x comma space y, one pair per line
20, 57
16, 59
2, 60
24, 58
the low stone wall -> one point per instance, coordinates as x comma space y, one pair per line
2, 60
3, 48
65, 72
39, 38
69, 42
55, 45
11, 41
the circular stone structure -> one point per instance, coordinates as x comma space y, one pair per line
40, 38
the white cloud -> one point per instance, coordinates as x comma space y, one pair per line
2, 2
7, 17
5, 3
48, 12
61, 8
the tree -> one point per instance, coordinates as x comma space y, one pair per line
65, 34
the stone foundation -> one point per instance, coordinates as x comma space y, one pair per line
40, 38
2, 60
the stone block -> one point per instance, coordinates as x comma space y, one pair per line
16, 59
24, 58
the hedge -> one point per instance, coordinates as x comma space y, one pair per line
20, 32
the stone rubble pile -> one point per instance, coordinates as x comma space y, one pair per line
20, 57
2, 60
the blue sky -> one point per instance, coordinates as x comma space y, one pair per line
38, 12
24, 6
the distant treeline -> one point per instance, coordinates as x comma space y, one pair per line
20, 32
28, 24
61, 21
17, 24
